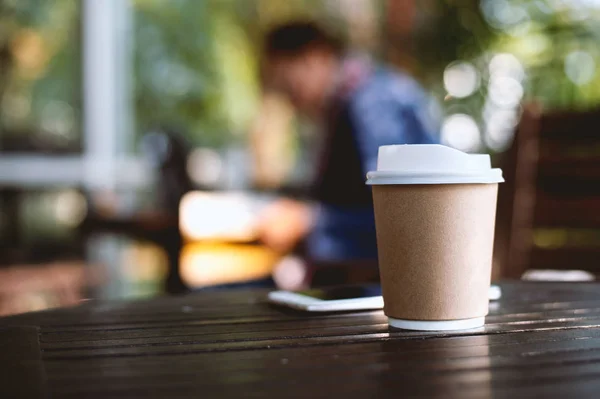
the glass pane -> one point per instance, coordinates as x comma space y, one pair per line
40, 226
197, 72
195, 67
40, 76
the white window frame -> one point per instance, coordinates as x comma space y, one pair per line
106, 162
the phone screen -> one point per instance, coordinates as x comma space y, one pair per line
349, 292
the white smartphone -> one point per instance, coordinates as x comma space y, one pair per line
338, 299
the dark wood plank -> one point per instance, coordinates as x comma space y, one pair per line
284, 327
21, 369
540, 339
501, 349
567, 259
568, 166
449, 364
373, 323
516, 198
567, 212
574, 126
564, 178
555, 165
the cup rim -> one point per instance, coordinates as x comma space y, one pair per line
437, 325
385, 177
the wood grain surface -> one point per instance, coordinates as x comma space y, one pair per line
540, 340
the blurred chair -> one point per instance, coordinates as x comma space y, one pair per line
167, 151
549, 207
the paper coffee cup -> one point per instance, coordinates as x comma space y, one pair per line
435, 211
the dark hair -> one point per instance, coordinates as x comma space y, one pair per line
295, 37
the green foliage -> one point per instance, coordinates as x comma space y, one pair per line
541, 34
40, 70
195, 62
174, 68
449, 30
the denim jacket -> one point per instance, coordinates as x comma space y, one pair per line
372, 106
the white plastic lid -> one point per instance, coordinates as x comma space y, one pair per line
431, 164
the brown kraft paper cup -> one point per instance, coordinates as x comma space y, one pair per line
435, 246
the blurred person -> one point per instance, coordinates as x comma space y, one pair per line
358, 105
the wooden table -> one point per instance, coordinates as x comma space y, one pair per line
540, 340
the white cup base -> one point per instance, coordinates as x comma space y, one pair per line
445, 325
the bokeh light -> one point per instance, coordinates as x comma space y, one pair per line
58, 118
204, 166
171, 78
15, 108
461, 132
580, 67
217, 216
505, 64
501, 108
500, 124
503, 14
70, 207
290, 273
505, 91
461, 79
210, 263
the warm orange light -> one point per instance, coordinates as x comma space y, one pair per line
30, 50
217, 216
205, 264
